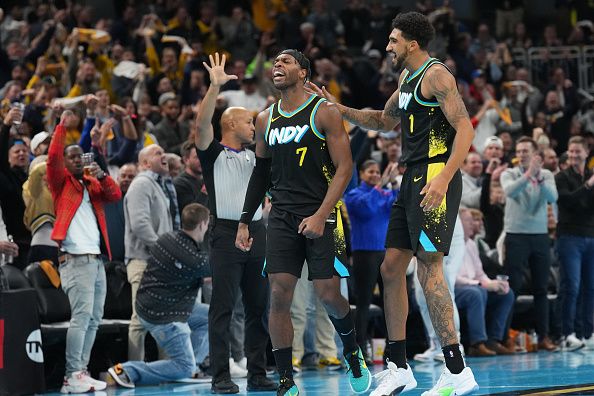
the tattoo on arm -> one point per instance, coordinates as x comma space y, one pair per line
391, 109
439, 301
443, 86
384, 120
370, 119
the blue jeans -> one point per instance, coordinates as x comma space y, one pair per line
83, 281
184, 343
577, 268
486, 312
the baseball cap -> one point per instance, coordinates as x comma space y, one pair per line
165, 97
38, 139
493, 140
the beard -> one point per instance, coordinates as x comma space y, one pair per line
398, 62
284, 85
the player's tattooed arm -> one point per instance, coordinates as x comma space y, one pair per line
378, 120
443, 86
439, 82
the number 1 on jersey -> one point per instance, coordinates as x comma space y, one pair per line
412, 121
302, 151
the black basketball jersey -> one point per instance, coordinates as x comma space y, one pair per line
427, 136
301, 167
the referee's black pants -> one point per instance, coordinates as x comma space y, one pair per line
233, 269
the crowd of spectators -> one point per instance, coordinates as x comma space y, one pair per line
127, 89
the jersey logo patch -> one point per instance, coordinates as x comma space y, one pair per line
404, 99
286, 134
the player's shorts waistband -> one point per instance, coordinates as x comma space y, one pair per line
426, 161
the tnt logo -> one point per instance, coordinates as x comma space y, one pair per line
33, 346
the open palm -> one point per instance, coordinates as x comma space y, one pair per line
216, 70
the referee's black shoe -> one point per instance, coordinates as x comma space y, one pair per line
225, 386
259, 383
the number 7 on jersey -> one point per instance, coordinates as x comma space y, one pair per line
301, 151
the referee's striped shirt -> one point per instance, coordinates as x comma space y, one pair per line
226, 175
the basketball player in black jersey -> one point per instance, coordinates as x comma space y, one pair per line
303, 156
436, 136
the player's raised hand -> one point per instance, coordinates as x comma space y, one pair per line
216, 70
434, 191
312, 88
243, 241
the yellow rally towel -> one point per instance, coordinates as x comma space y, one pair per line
93, 35
50, 271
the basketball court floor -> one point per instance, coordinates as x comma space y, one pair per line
561, 373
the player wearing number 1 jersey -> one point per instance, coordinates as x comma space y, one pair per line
303, 157
436, 136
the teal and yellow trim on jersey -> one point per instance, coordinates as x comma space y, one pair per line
422, 102
419, 70
312, 120
284, 114
291, 114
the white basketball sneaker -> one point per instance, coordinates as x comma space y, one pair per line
589, 343
77, 383
572, 343
98, 385
454, 384
394, 380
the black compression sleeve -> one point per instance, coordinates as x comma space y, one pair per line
259, 183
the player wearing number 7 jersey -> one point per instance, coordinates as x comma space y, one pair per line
227, 166
303, 156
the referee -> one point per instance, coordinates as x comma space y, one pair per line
227, 166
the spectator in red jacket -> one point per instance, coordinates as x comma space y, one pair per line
81, 232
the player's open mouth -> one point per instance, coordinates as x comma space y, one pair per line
277, 74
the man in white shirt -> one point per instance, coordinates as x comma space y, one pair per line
81, 232
476, 293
